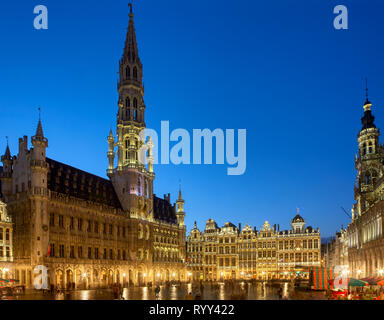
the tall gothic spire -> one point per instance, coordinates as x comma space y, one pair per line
131, 51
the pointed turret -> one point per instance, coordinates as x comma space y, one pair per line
39, 130
111, 152
180, 214
39, 142
5, 176
39, 136
7, 154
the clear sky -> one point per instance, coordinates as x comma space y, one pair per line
276, 68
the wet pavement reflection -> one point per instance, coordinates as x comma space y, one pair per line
209, 291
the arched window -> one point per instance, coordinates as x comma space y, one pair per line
364, 150
127, 102
370, 148
146, 188
139, 186
134, 73
147, 232
135, 109
127, 72
374, 175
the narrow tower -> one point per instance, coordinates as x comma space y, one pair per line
132, 181
6, 175
369, 162
39, 196
180, 214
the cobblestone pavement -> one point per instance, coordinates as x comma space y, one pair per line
257, 291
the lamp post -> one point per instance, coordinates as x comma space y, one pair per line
84, 275
124, 280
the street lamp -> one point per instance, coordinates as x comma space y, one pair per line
381, 272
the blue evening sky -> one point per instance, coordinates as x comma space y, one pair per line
276, 68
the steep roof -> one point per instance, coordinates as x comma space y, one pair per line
74, 182
163, 210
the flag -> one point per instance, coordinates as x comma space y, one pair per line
49, 248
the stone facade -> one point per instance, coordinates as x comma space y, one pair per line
90, 231
364, 235
231, 252
6, 243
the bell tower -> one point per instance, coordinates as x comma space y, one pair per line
369, 162
133, 182
180, 214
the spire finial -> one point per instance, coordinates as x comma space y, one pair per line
7, 151
39, 113
366, 88
130, 6
180, 197
6, 138
297, 210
